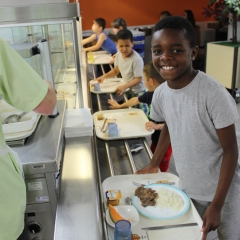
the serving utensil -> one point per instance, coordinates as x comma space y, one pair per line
14, 118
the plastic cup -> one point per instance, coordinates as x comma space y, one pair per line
112, 130
91, 57
96, 87
123, 230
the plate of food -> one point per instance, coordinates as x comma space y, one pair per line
122, 212
161, 201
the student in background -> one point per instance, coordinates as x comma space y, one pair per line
103, 40
164, 14
152, 79
118, 24
130, 65
200, 117
188, 14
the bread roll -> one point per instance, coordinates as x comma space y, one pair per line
100, 116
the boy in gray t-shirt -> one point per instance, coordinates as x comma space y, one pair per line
130, 65
199, 114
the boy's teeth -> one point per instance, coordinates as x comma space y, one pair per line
167, 67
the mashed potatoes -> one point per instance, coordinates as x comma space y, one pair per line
169, 199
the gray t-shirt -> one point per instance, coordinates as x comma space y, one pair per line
193, 114
131, 68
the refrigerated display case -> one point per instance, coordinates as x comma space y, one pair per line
60, 24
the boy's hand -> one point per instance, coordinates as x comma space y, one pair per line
151, 125
114, 104
120, 90
100, 79
211, 220
148, 169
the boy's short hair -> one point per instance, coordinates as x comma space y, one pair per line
178, 23
101, 22
151, 72
165, 14
119, 22
124, 34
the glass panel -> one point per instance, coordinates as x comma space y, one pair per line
6, 34
61, 45
70, 60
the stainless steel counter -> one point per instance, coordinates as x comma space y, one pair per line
78, 211
41, 153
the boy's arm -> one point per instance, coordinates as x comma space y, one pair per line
161, 148
120, 90
152, 125
98, 45
89, 39
112, 73
211, 218
132, 102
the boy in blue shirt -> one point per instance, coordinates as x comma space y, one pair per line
200, 117
129, 64
103, 40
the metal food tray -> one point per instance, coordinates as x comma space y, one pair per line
130, 122
21, 135
124, 184
109, 85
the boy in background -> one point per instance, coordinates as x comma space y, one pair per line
152, 80
130, 65
199, 116
103, 40
118, 24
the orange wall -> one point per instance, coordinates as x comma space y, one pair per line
136, 12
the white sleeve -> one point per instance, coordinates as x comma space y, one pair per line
138, 67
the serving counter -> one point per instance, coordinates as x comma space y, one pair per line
78, 212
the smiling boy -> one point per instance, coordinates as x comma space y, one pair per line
130, 65
199, 117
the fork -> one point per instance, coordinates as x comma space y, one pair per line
143, 185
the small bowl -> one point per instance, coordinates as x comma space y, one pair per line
127, 212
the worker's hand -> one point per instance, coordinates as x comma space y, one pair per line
148, 169
151, 125
100, 79
211, 220
120, 90
114, 104
84, 50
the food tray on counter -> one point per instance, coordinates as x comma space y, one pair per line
109, 85
21, 135
130, 123
25, 124
100, 57
124, 184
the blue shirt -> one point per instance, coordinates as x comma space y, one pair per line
108, 45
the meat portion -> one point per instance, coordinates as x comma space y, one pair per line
147, 196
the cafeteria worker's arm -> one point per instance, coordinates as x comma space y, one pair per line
47, 105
